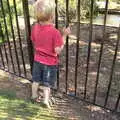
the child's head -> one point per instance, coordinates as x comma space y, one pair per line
44, 10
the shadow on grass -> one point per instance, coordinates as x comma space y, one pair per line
13, 108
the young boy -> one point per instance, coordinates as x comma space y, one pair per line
48, 43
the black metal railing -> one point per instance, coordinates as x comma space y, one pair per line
84, 95
15, 46
16, 54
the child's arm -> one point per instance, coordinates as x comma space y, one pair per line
58, 49
66, 31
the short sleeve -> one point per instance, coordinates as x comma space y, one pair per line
58, 40
32, 34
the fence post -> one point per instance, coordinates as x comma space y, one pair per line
28, 31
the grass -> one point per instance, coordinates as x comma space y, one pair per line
12, 108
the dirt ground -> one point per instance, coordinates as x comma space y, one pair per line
104, 76
108, 52
68, 107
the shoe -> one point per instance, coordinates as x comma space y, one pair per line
52, 99
50, 103
46, 105
36, 100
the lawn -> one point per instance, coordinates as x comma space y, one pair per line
12, 108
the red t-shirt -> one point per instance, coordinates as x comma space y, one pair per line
45, 39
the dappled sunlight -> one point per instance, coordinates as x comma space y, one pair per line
95, 45
21, 22
93, 73
118, 53
95, 109
111, 51
113, 36
118, 57
20, 109
66, 108
84, 74
3, 74
24, 81
27, 66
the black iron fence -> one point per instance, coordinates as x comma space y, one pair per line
88, 70
15, 38
89, 63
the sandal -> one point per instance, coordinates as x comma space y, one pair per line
36, 100
46, 105
53, 100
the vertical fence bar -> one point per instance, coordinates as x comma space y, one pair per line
117, 102
20, 43
5, 54
13, 35
6, 30
2, 57
101, 50
112, 68
67, 44
56, 25
77, 45
56, 14
1, 54
89, 47
28, 31
4, 44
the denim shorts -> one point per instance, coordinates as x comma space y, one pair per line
44, 74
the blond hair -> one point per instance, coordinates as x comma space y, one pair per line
44, 9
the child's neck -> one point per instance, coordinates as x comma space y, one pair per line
45, 22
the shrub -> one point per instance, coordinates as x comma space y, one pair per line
7, 18
84, 9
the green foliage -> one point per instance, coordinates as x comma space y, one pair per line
117, 1
7, 14
85, 7
110, 0
31, 9
12, 108
1, 41
113, 4
6, 17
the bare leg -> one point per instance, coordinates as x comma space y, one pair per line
46, 95
35, 86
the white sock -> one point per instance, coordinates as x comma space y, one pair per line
46, 94
35, 86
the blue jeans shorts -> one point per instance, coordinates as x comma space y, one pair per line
46, 75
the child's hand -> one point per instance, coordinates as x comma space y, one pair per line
66, 31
